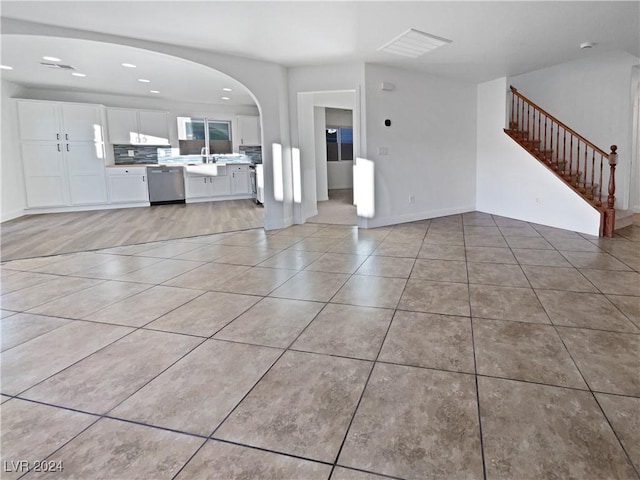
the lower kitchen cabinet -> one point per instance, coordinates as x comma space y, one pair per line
44, 174
231, 181
240, 182
85, 166
128, 184
63, 174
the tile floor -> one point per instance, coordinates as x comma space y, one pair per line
469, 346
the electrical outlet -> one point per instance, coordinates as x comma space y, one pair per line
383, 150
537, 199
412, 199
131, 153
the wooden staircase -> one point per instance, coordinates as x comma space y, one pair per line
578, 162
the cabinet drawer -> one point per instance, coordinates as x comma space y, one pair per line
238, 168
126, 171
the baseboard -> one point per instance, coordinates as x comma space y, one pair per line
278, 224
6, 216
84, 208
413, 217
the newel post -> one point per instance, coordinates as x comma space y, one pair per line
610, 214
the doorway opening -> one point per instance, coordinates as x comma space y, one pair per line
329, 143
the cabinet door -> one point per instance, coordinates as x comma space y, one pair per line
197, 187
249, 130
154, 128
128, 188
81, 123
39, 121
123, 126
220, 186
44, 174
85, 167
240, 183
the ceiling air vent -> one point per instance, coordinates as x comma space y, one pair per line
59, 66
413, 43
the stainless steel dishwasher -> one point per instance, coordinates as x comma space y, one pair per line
166, 185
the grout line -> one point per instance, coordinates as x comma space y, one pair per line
475, 362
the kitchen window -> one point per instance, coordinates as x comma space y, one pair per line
200, 136
339, 143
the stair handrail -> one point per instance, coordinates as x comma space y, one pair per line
563, 125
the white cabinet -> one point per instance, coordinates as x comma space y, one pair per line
220, 186
197, 186
207, 186
44, 173
229, 181
62, 153
64, 122
123, 126
137, 127
248, 130
240, 182
128, 184
85, 168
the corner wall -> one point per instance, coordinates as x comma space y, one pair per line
512, 183
13, 199
431, 145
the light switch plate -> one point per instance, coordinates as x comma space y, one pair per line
383, 150
131, 153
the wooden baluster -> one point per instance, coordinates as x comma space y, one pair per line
512, 122
527, 129
610, 214
539, 136
585, 167
564, 150
544, 148
584, 173
571, 155
601, 179
557, 145
593, 173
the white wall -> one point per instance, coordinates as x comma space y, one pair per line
13, 199
319, 129
175, 109
593, 96
512, 183
431, 145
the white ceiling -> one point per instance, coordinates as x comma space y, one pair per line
490, 39
175, 79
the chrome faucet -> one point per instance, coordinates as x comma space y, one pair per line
203, 152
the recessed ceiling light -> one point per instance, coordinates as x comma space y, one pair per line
52, 59
128, 65
225, 98
144, 80
413, 43
154, 91
6, 67
77, 74
226, 89
586, 45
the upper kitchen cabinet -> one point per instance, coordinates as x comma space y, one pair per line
55, 121
249, 130
137, 127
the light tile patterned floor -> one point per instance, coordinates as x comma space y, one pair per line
469, 346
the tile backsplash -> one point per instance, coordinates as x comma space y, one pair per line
254, 152
142, 154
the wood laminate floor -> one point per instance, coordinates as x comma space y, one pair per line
55, 233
